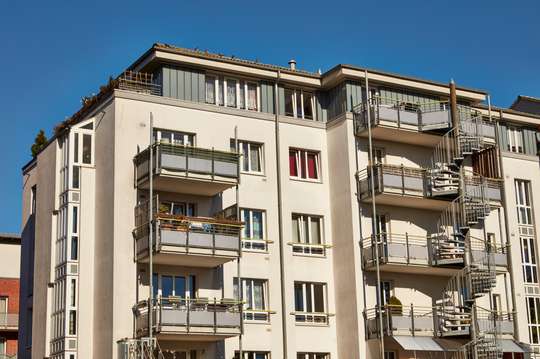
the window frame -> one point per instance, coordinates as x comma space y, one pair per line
262, 161
312, 355
189, 292
174, 204
306, 246
302, 154
515, 140
529, 266
248, 243
530, 325
298, 94
252, 354
220, 84
524, 205
261, 315
311, 317
188, 138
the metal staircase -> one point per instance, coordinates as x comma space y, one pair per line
142, 348
451, 244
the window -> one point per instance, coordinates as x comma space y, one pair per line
165, 285
379, 155
252, 156
232, 92
210, 89
87, 149
75, 219
309, 302
390, 355
515, 140
252, 355
523, 202
496, 305
533, 319
307, 234
386, 292
299, 103
528, 260
3, 346
312, 356
174, 137
33, 199
304, 164
73, 290
253, 232
75, 183
74, 248
254, 295
83, 144
3, 305
178, 208
72, 322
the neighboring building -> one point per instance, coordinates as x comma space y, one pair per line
527, 104
272, 235
10, 254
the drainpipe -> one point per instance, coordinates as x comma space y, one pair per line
506, 225
240, 284
373, 218
280, 219
150, 232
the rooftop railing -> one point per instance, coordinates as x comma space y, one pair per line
139, 82
218, 316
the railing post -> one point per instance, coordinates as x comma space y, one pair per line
407, 246
402, 180
412, 320
214, 238
398, 108
215, 315
213, 163
186, 152
188, 231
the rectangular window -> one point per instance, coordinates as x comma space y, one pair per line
307, 235
386, 292
73, 292
3, 305
231, 93
174, 137
242, 95
75, 220
523, 202
178, 208
87, 149
76, 148
252, 156
528, 260
533, 319
252, 96
515, 140
299, 103
390, 355
183, 286
254, 296
252, 355
253, 232
312, 356
309, 302
74, 248
304, 164
33, 199
72, 322
496, 305
76, 177
210, 89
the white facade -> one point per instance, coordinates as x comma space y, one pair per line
307, 289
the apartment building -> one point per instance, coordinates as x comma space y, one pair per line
10, 254
204, 206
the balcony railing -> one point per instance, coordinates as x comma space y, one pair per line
176, 315
394, 180
483, 188
494, 322
401, 114
395, 248
400, 320
186, 235
139, 82
9, 321
190, 163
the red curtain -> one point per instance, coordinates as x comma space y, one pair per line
292, 164
312, 167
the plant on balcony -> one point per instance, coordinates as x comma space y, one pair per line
395, 306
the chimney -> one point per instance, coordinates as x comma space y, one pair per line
292, 64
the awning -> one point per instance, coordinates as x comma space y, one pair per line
418, 343
509, 346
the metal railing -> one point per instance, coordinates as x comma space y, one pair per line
9, 320
140, 82
186, 160
394, 179
190, 314
395, 248
400, 320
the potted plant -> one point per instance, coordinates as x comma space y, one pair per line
395, 306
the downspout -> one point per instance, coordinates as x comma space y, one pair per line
280, 219
374, 217
240, 283
151, 232
506, 226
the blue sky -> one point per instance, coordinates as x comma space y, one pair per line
55, 52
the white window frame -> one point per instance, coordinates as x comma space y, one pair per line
515, 140
240, 82
249, 243
226, 92
187, 294
536, 308
312, 355
308, 288
299, 93
302, 154
174, 204
77, 150
207, 79
305, 246
252, 314
524, 202
529, 251
251, 354
241, 144
187, 138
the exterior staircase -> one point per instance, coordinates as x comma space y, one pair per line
142, 348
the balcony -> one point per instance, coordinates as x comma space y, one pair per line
399, 186
9, 321
398, 320
185, 169
399, 121
189, 241
495, 322
199, 319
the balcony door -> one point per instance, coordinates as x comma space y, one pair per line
183, 286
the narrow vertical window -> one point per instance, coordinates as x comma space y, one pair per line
252, 96
289, 106
76, 177
242, 95
74, 248
210, 89
231, 93
72, 322
308, 105
73, 290
33, 199
76, 148
75, 219
87, 149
